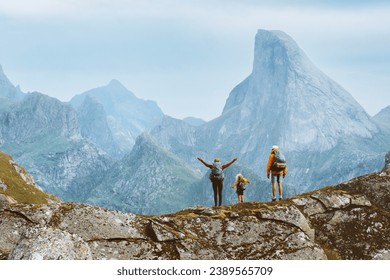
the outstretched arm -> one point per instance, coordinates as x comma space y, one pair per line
228, 164
205, 163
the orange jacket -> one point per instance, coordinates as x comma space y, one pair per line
271, 161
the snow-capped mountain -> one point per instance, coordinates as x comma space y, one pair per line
127, 115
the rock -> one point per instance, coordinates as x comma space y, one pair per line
43, 243
6, 201
94, 223
290, 215
161, 233
3, 186
347, 221
333, 200
387, 162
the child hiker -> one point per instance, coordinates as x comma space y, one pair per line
240, 184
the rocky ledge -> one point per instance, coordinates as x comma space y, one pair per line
346, 221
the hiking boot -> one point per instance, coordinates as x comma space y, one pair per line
280, 198
274, 199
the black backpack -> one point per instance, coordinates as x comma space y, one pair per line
216, 172
279, 163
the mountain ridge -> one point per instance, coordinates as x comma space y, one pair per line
325, 134
127, 116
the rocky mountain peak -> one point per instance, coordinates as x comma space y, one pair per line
116, 84
8, 90
3, 78
383, 118
276, 52
286, 94
38, 115
127, 116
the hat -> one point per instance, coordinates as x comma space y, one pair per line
274, 147
216, 160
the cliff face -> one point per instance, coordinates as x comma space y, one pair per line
345, 221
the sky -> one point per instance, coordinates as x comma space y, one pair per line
187, 55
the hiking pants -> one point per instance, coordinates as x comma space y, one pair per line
217, 188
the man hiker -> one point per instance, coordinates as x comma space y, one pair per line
216, 177
277, 167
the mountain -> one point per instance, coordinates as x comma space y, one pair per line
287, 101
325, 134
126, 115
382, 119
8, 92
94, 126
178, 137
292, 101
39, 116
194, 121
348, 221
42, 134
149, 180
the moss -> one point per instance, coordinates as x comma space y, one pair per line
331, 253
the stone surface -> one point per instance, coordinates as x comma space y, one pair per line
42, 243
346, 221
387, 162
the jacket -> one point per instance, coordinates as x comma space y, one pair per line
271, 161
244, 180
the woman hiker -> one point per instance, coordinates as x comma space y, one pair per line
216, 177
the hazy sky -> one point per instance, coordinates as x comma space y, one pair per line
188, 55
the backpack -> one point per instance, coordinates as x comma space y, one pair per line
241, 185
216, 172
279, 163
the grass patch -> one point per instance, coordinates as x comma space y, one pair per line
18, 188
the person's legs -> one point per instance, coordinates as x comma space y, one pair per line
280, 187
273, 187
280, 190
220, 187
215, 189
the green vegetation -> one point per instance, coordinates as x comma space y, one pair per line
18, 188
